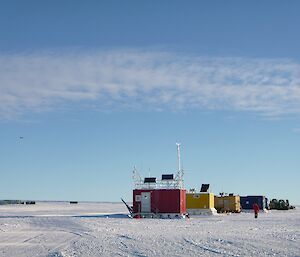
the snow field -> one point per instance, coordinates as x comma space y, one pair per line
103, 229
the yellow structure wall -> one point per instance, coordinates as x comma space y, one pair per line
228, 203
199, 200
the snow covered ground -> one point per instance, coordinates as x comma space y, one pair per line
103, 229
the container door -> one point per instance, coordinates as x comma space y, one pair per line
146, 202
226, 205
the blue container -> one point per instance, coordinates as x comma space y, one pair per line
248, 201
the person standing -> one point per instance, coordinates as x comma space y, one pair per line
256, 210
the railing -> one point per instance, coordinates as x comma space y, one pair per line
160, 184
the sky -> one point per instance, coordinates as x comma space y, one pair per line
90, 89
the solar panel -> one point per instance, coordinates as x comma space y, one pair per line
204, 188
167, 177
150, 180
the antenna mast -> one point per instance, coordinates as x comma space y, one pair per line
180, 171
137, 180
178, 156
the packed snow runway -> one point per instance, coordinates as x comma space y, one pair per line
103, 229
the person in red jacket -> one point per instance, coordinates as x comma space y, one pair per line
256, 210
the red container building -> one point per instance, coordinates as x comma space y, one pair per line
159, 203
163, 198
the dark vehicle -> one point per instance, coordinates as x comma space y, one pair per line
280, 205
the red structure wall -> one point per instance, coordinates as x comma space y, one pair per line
162, 200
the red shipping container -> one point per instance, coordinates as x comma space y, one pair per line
159, 201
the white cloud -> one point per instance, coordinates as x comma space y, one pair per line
144, 79
296, 130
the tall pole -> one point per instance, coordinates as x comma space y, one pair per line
178, 156
180, 171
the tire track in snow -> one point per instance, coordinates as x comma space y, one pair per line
127, 244
59, 228
206, 248
32, 238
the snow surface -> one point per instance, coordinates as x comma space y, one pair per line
56, 229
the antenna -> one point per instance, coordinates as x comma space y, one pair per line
179, 176
178, 156
137, 180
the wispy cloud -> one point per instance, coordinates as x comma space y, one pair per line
296, 130
151, 80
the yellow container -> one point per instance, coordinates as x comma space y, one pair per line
228, 203
199, 200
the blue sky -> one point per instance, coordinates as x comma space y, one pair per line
96, 87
